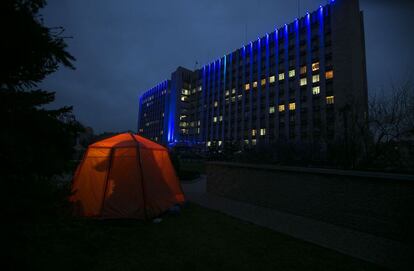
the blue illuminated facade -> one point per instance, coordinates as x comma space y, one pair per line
303, 82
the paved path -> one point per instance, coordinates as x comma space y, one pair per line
381, 251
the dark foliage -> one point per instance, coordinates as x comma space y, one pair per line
36, 144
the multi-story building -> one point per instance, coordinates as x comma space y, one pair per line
303, 82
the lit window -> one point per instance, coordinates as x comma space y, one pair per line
329, 75
330, 99
208, 143
281, 76
303, 81
185, 91
233, 99
315, 78
215, 103
215, 119
292, 73
220, 142
262, 132
315, 66
221, 118
316, 90
247, 86
253, 132
255, 84
183, 117
233, 91
271, 110
240, 97
303, 70
198, 130
292, 106
200, 88
253, 141
184, 98
227, 93
246, 141
263, 82
281, 107
272, 79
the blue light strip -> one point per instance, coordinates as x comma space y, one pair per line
223, 123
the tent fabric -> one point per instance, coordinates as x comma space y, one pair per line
125, 176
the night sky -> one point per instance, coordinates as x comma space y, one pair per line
125, 47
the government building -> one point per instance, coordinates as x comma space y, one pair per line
303, 82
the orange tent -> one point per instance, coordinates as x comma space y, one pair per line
125, 176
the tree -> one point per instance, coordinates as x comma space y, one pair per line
35, 143
392, 125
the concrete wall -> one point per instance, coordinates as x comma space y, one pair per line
380, 204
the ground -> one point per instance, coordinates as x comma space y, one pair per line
197, 239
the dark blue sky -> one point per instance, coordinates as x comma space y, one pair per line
125, 47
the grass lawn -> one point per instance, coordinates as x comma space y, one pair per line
198, 239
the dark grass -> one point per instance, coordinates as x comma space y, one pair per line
198, 239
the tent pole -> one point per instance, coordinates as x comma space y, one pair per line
111, 155
139, 161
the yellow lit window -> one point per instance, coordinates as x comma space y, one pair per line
303, 70
255, 84
292, 73
316, 90
281, 76
315, 78
262, 132
271, 110
330, 99
292, 106
272, 79
184, 98
215, 103
247, 86
303, 81
329, 75
263, 82
281, 107
208, 143
220, 142
253, 132
215, 119
315, 66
